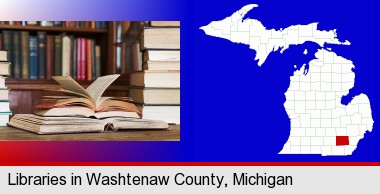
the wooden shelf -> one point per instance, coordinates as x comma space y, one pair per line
53, 29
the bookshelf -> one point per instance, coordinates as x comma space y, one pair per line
25, 93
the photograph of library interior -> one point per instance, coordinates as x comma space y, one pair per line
90, 80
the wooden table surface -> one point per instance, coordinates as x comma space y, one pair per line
172, 134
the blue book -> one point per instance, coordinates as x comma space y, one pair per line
33, 59
41, 53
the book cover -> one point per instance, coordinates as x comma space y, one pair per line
74, 60
41, 54
88, 59
16, 54
33, 57
25, 54
66, 55
58, 55
49, 56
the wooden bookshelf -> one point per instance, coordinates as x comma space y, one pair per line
53, 29
25, 93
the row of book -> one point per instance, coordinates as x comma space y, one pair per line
69, 24
157, 88
5, 111
42, 56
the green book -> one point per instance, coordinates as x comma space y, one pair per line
58, 55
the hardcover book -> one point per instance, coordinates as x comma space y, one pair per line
53, 125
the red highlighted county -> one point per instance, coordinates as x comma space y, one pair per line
342, 140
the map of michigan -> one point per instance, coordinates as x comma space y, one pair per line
320, 123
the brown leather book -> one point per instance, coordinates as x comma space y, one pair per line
49, 56
89, 59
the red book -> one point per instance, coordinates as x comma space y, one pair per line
84, 60
79, 59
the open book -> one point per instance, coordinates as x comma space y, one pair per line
54, 125
86, 102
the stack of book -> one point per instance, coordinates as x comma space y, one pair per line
83, 110
157, 88
4, 99
41, 56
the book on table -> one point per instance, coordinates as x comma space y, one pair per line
60, 125
86, 102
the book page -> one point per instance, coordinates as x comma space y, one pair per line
97, 88
69, 84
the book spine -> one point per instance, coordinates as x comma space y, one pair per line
98, 60
57, 23
58, 55
16, 47
41, 54
49, 56
89, 59
74, 59
33, 48
1, 41
66, 46
93, 59
79, 58
7, 45
83, 57
25, 54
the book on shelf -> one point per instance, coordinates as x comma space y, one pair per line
86, 102
158, 79
155, 96
164, 23
33, 57
50, 56
66, 56
16, 57
25, 54
161, 55
41, 54
60, 125
160, 38
169, 114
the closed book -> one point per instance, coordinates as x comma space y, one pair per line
58, 55
164, 23
98, 60
161, 65
160, 38
16, 54
33, 57
4, 94
66, 55
2, 82
25, 54
41, 54
49, 56
161, 55
169, 114
156, 79
88, 59
3, 55
93, 60
57, 23
74, 58
4, 106
4, 118
155, 96
7, 43
79, 59
5, 68
83, 59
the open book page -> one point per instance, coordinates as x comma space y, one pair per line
97, 88
69, 84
